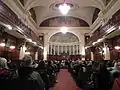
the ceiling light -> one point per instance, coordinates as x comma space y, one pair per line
30, 40
93, 43
111, 29
64, 30
64, 8
101, 52
99, 40
9, 27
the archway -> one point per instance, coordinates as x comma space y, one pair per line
64, 46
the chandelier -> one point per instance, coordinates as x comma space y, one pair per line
64, 8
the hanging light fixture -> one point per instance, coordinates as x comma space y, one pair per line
64, 8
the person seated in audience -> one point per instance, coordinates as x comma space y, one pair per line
116, 67
115, 72
103, 77
35, 64
4, 72
51, 72
6, 75
43, 72
29, 79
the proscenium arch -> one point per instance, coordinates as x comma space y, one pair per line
68, 32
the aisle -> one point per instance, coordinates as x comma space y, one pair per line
65, 81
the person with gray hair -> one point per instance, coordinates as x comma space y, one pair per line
4, 71
27, 61
27, 74
3, 63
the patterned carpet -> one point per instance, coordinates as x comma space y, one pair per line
65, 81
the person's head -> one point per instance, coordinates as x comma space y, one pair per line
3, 63
41, 65
117, 65
27, 61
102, 66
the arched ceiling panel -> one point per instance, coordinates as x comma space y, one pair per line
64, 38
85, 13
47, 3
64, 21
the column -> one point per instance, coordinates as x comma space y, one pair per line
77, 49
61, 49
73, 50
48, 49
80, 49
83, 53
65, 49
92, 56
54, 49
45, 53
69, 50
22, 52
106, 53
51, 49
57, 49
36, 55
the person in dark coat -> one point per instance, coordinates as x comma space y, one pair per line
43, 72
5, 75
103, 78
29, 79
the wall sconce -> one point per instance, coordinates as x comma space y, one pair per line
27, 53
2, 44
29, 40
9, 27
12, 47
117, 47
100, 52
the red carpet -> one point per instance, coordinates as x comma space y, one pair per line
65, 81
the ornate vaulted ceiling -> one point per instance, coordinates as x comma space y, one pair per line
44, 9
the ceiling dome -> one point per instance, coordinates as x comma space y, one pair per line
64, 38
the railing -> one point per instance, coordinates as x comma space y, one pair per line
112, 25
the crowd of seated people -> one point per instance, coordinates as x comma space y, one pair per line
96, 75
28, 75
41, 75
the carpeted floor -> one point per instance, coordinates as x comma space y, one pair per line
65, 81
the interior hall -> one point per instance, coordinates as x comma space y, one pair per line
59, 44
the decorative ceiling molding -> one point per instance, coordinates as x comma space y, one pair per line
70, 28
106, 15
101, 3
